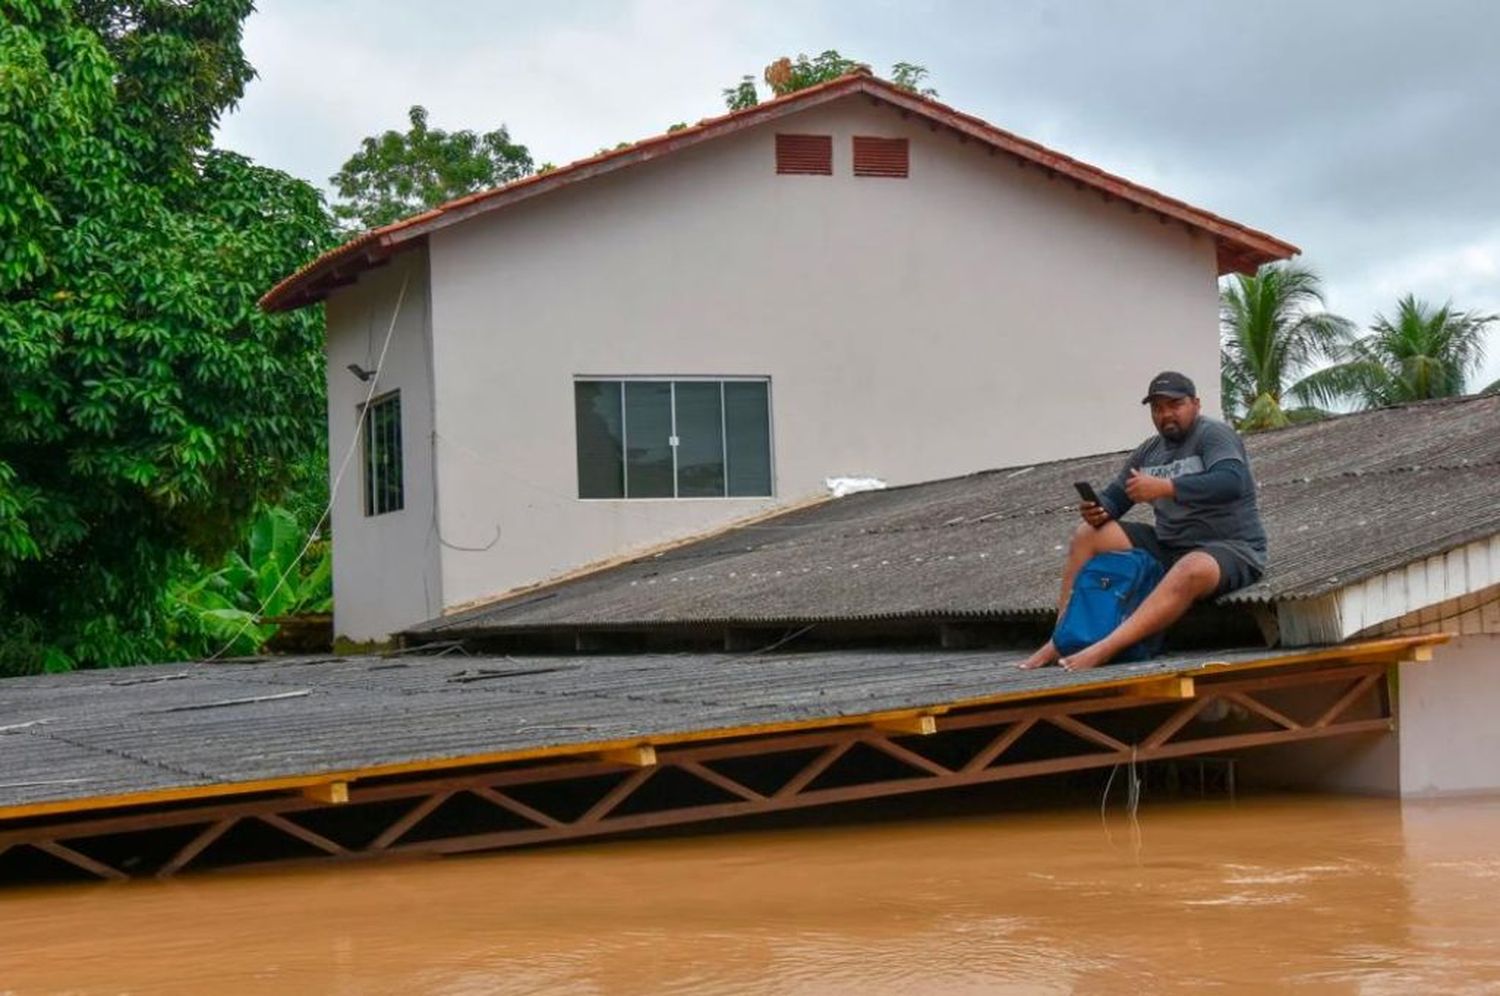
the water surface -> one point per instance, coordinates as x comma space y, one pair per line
1327, 895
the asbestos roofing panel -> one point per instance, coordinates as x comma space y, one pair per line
79, 737
1342, 500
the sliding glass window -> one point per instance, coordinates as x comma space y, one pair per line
701, 438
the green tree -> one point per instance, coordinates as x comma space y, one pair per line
1422, 352
1272, 330
742, 95
397, 174
147, 405
275, 572
787, 75
909, 76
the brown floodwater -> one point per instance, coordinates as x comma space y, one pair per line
1323, 894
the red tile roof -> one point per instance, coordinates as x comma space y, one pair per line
1240, 248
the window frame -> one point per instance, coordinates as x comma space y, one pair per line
369, 486
672, 380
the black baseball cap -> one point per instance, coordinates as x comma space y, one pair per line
1170, 384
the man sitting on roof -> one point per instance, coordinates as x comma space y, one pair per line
1208, 535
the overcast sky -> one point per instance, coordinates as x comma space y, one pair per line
1365, 131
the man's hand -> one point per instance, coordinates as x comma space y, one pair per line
1094, 514
1145, 488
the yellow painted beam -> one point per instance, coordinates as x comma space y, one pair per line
1419, 655
329, 792
639, 756
1177, 686
922, 724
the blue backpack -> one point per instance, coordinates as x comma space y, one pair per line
1109, 587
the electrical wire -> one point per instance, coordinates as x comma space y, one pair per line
338, 478
1104, 805
1133, 807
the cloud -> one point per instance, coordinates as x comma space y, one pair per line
1467, 274
566, 78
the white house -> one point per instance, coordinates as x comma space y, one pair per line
699, 327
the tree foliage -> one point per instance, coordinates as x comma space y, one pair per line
146, 404
227, 610
742, 95
787, 75
397, 174
1272, 330
910, 76
1422, 352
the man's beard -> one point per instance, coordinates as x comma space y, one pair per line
1171, 433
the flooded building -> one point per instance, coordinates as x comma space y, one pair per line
858, 649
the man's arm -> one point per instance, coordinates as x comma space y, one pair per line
1113, 498
1226, 472
1224, 482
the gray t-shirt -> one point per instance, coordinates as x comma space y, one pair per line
1233, 521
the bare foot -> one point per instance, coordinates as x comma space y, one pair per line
1086, 658
1046, 655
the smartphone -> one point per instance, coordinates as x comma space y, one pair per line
1086, 492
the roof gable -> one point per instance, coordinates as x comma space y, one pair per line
1238, 247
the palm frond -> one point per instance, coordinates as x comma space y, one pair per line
1271, 330
1264, 412
1356, 380
1426, 351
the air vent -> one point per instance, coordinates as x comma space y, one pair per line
880, 156
807, 154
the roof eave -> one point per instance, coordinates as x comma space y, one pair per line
1238, 245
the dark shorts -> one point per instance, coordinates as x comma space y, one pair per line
1234, 571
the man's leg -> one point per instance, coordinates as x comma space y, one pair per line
1193, 577
1086, 542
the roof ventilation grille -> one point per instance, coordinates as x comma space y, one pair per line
881, 156
805, 154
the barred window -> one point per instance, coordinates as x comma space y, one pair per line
382, 456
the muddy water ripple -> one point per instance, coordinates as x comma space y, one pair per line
1324, 895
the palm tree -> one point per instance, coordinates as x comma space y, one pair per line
1271, 329
1424, 352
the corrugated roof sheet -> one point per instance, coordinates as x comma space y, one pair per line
1342, 500
1240, 247
94, 735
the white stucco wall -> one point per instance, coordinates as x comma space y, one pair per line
1449, 737
386, 569
1445, 741
1358, 764
974, 315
